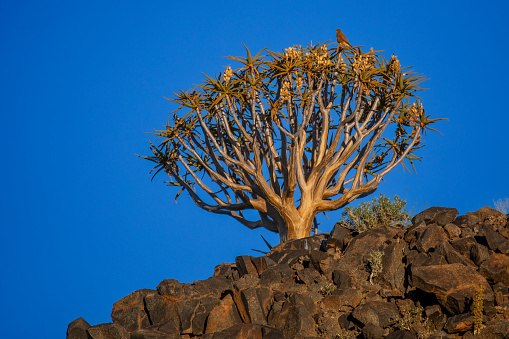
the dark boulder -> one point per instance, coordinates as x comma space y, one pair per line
378, 313
151, 334
295, 320
313, 242
496, 242
246, 281
430, 237
463, 245
171, 289
496, 268
240, 331
359, 250
466, 220
459, 323
372, 331
341, 279
108, 331
453, 285
288, 257
249, 306
223, 316
78, 329
453, 231
309, 276
486, 213
161, 310
194, 312
130, 310
452, 256
245, 265
393, 268
261, 263
340, 236
401, 334
440, 215
213, 286
227, 270
345, 301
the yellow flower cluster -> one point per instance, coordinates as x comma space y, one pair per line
285, 91
298, 82
415, 110
292, 53
228, 73
364, 62
394, 65
322, 57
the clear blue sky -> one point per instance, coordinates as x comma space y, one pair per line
81, 81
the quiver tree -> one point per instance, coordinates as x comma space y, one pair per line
289, 135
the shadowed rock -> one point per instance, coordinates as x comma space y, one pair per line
459, 323
249, 306
496, 268
401, 334
341, 279
295, 320
309, 243
245, 265
340, 236
378, 313
240, 331
496, 242
371, 331
223, 316
161, 310
152, 334
194, 312
453, 284
393, 268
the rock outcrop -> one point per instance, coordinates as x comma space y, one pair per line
432, 275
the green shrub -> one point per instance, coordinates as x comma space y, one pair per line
477, 309
375, 264
377, 212
412, 316
327, 289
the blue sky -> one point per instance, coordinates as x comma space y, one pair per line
82, 224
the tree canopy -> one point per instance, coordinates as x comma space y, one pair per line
291, 134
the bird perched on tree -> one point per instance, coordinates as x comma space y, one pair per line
342, 40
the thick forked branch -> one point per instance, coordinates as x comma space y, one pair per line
292, 134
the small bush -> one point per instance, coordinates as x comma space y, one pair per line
328, 289
412, 316
375, 264
477, 309
377, 212
502, 205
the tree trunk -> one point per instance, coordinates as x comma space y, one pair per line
296, 226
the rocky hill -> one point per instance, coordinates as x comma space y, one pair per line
443, 276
